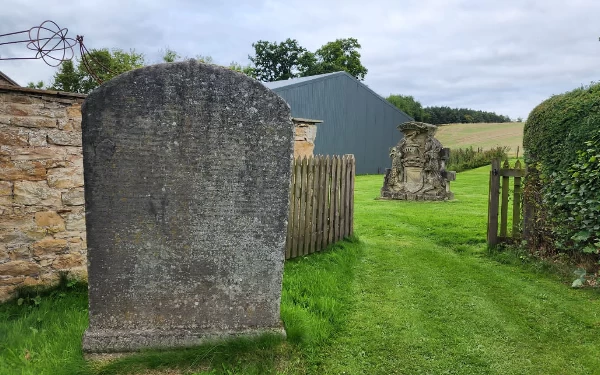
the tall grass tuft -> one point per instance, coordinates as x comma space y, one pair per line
462, 159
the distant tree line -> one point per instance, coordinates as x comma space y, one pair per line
443, 115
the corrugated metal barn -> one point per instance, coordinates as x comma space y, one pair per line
356, 120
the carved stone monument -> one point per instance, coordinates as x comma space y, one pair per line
187, 176
418, 166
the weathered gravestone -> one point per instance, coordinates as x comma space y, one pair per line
187, 176
418, 166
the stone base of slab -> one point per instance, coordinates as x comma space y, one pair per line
100, 342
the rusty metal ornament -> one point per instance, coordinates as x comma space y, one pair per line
52, 45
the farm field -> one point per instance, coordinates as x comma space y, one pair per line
483, 135
417, 292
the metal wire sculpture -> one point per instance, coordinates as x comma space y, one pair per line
51, 44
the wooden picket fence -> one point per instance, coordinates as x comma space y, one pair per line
499, 197
321, 203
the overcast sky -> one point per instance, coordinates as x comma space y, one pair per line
501, 56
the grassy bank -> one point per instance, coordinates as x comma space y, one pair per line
485, 136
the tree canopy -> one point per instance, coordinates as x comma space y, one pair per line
280, 61
408, 105
340, 55
103, 63
277, 61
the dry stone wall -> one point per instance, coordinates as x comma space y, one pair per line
42, 217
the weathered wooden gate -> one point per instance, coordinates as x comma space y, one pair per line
500, 177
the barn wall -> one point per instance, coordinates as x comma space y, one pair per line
355, 119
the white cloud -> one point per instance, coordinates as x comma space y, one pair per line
497, 56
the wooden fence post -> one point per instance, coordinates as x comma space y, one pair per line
333, 201
492, 230
313, 215
504, 202
297, 206
290, 228
326, 203
338, 200
517, 204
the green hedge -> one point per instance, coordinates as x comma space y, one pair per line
557, 128
562, 152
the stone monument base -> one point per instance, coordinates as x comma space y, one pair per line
416, 197
104, 341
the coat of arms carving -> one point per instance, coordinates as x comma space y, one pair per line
418, 166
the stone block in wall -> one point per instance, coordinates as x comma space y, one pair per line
64, 138
68, 261
6, 188
50, 221
22, 252
37, 139
49, 246
16, 221
65, 178
73, 197
13, 136
29, 122
17, 236
38, 109
5, 281
29, 170
19, 268
75, 219
36, 193
45, 154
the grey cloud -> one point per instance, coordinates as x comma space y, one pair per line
498, 56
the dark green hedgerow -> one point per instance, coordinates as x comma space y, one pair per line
558, 127
575, 198
562, 188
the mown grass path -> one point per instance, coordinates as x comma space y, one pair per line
427, 300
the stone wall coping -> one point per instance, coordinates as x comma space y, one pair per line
306, 120
26, 90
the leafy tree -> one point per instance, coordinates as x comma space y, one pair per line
408, 105
104, 64
277, 61
34, 85
340, 55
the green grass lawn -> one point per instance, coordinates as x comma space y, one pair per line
418, 293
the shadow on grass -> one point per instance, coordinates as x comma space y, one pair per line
260, 355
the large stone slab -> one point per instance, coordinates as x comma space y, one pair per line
187, 174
